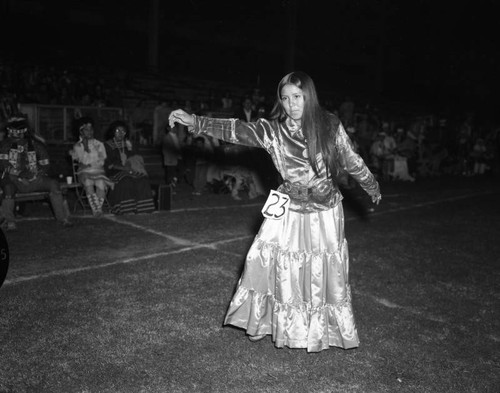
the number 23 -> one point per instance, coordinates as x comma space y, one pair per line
276, 205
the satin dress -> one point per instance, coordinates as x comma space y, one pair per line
295, 282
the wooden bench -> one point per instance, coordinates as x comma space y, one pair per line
31, 196
44, 195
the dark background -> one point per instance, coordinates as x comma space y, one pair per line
442, 55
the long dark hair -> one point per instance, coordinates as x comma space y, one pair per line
110, 133
319, 126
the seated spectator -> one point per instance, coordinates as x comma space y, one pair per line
378, 153
24, 163
408, 149
125, 167
365, 132
431, 157
400, 169
492, 142
390, 147
90, 155
479, 157
246, 112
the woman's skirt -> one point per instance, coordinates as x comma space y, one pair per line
295, 284
94, 177
131, 194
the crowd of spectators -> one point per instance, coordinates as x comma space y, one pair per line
58, 86
405, 147
416, 146
395, 146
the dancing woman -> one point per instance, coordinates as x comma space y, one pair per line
295, 284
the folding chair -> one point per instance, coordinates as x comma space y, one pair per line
81, 195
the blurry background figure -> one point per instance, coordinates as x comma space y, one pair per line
346, 112
140, 123
400, 170
246, 112
377, 154
390, 148
125, 167
203, 150
364, 135
91, 155
171, 152
227, 101
464, 144
408, 149
262, 112
479, 157
241, 178
160, 120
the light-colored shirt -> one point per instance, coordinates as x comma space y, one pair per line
95, 157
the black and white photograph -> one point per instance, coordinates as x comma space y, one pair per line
276, 196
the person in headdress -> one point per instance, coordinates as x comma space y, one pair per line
24, 167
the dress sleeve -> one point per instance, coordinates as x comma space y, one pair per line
78, 153
353, 164
255, 134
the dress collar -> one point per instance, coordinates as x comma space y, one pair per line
294, 127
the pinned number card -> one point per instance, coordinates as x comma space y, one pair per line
276, 206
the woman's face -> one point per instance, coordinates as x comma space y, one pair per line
292, 100
87, 131
120, 133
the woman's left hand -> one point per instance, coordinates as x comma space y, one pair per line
376, 198
181, 117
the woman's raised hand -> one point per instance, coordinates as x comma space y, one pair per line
376, 198
181, 117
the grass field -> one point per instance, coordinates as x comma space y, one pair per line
136, 303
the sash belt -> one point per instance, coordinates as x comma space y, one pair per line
322, 194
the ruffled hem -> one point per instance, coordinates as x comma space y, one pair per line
273, 251
299, 325
132, 206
